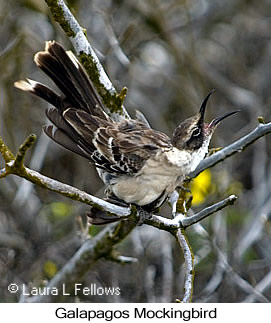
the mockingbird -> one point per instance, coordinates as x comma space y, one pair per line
138, 165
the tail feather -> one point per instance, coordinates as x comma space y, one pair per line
79, 102
56, 118
39, 90
100, 217
66, 72
66, 141
59, 74
77, 75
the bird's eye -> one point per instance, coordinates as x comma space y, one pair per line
196, 132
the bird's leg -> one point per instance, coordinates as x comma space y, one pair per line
184, 184
183, 188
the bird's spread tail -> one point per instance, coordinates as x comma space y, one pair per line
77, 105
69, 76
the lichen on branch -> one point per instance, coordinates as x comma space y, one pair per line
59, 16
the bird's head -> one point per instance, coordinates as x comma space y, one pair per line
193, 132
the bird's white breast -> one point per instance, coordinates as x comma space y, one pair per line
163, 172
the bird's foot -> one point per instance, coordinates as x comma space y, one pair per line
143, 215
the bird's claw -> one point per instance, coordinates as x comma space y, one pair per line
143, 215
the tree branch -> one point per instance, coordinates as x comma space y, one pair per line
81, 262
14, 165
181, 221
115, 256
186, 222
236, 147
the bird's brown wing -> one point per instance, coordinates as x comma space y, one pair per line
116, 147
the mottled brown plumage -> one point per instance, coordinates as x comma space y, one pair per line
138, 164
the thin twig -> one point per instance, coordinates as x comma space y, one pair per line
260, 288
116, 257
186, 222
181, 221
25, 193
241, 282
13, 241
253, 231
236, 147
238, 95
114, 43
6, 154
27, 144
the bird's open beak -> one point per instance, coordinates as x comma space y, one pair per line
217, 120
203, 106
